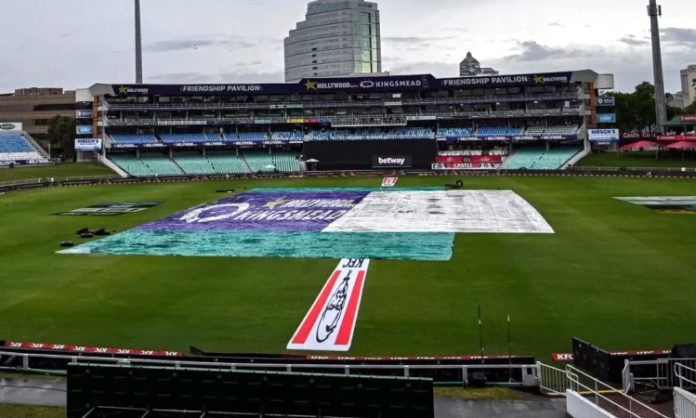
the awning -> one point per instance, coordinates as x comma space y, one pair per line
639, 145
682, 145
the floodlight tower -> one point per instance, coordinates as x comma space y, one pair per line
138, 46
655, 11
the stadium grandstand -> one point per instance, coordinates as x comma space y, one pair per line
528, 121
17, 148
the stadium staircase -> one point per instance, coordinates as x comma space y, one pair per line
36, 145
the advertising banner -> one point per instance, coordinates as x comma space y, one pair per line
83, 114
11, 127
603, 135
84, 129
366, 84
449, 159
389, 181
687, 118
679, 137
607, 101
329, 324
111, 209
606, 118
397, 161
88, 144
90, 349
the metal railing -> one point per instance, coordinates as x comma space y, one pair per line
684, 404
636, 169
685, 376
39, 180
23, 362
608, 397
552, 380
663, 373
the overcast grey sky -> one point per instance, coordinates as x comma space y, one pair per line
74, 43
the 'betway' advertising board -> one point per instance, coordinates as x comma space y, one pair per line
318, 85
603, 135
392, 161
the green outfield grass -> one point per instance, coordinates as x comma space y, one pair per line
55, 171
21, 411
639, 159
618, 275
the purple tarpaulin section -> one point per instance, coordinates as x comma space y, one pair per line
304, 211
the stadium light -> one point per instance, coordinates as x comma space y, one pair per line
138, 46
655, 11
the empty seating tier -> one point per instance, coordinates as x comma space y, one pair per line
287, 162
17, 149
227, 163
194, 164
259, 161
538, 158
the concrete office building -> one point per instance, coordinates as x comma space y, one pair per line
33, 107
337, 38
688, 82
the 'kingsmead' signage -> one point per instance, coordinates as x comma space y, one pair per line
603, 135
401, 161
10, 126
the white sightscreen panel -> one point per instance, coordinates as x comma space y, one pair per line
462, 211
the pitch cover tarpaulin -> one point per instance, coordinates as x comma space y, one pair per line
402, 224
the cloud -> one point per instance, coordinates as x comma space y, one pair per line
174, 78
631, 40
416, 39
228, 43
680, 37
438, 69
534, 51
224, 77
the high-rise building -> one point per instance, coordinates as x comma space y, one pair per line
337, 38
675, 100
470, 66
688, 81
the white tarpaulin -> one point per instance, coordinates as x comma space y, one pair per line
460, 211
330, 322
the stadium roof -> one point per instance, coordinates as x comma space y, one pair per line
355, 84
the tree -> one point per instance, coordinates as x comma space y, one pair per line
691, 109
636, 111
61, 135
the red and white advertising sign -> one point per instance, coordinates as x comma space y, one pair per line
389, 181
567, 357
330, 323
90, 349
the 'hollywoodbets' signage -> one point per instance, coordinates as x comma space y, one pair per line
319, 85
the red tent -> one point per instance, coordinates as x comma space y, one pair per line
682, 145
639, 145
